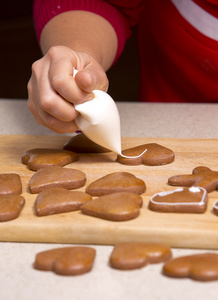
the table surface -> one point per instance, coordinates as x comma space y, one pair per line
20, 281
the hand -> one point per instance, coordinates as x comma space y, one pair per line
52, 89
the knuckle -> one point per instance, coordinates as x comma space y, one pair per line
46, 103
58, 81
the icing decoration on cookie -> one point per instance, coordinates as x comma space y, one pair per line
183, 200
66, 261
215, 207
201, 267
99, 120
154, 156
201, 176
134, 255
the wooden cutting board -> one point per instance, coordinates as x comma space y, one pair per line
177, 230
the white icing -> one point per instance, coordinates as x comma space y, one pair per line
194, 189
215, 204
99, 120
202, 202
165, 193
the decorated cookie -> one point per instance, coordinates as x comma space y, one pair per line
135, 255
201, 176
115, 207
56, 176
66, 261
10, 184
59, 200
81, 144
39, 158
10, 207
154, 156
116, 182
201, 267
181, 200
215, 207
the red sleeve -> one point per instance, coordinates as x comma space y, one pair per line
122, 15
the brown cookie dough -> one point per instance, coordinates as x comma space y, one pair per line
59, 200
116, 182
201, 176
201, 267
154, 156
10, 184
134, 255
66, 261
10, 207
39, 158
215, 207
115, 207
56, 176
81, 144
181, 200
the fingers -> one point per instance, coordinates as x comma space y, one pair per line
76, 89
53, 90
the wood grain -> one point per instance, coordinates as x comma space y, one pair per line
177, 230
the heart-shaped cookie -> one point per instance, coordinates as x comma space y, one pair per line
39, 158
116, 182
154, 156
10, 184
181, 200
201, 267
134, 255
66, 261
81, 144
59, 200
115, 207
10, 207
56, 176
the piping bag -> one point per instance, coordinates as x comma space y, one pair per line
99, 120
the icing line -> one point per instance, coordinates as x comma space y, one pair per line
215, 204
202, 202
134, 156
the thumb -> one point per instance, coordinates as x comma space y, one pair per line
90, 79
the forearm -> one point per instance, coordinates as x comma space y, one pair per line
82, 31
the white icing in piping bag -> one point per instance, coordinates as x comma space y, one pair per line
99, 120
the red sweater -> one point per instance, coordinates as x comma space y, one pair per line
178, 42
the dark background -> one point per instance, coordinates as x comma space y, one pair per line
19, 49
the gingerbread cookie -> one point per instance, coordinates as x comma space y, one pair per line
201, 176
39, 158
181, 200
10, 184
66, 261
134, 255
215, 207
116, 182
56, 176
81, 144
10, 207
59, 200
115, 207
154, 156
201, 267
